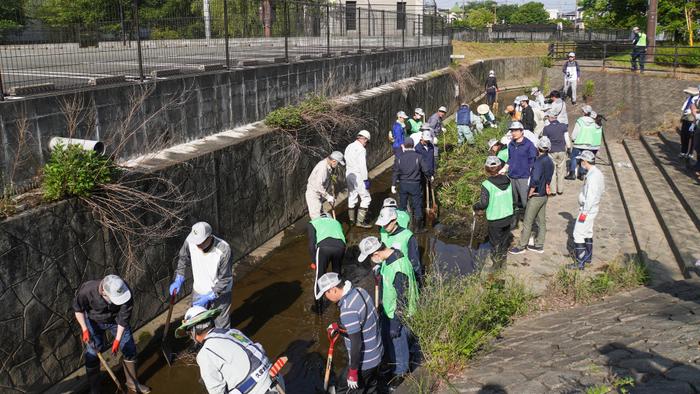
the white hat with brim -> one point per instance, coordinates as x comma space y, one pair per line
386, 215
693, 91
482, 109
368, 246
442, 109
364, 133
426, 135
419, 111
389, 202
116, 290
587, 156
515, 126
492, 142
337, 156
199, 233
401, 114
325, 283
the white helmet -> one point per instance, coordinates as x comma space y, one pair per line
364, 133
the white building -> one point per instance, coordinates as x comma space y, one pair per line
553, 13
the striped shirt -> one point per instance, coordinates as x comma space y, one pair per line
358, 315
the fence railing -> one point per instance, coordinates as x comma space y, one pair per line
137, 43
538, 33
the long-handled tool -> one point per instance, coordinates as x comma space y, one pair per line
275, 370
376, 291
471, 236
434, 207
427, 202
164, 346
329, 362
120, 389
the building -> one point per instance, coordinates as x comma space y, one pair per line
576, 17
553, 13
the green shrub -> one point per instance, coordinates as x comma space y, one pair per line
73, 171
293, 117
546, 61
457, 315
164, 33
687, 57
588, 88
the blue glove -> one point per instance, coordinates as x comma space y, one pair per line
394, 328
204, 299
367, 184
177, 283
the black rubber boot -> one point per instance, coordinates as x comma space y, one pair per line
580, 255
420, 226
589, 250
570, 176
93, 377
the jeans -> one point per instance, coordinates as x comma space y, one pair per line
638, 53
559, 160
396, 349
686, 137
573, 163
536, 212
414, 190
490, 97
464, 133
97, 336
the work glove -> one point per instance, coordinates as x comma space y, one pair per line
393, 190
333, 329
115, 346
86, 336
312, 265
394, 328
352, 379
330, 199
432, 179
367, 184
177, 283
204, 299
582, 217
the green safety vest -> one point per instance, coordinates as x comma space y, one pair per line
388, 272
398, 241
642, 42
327, 228
415, 125
589, 134
500, 201
503, 155
402, 218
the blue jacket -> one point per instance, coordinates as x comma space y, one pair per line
427, 152
542, 174
464, 116
521, 159
398, 132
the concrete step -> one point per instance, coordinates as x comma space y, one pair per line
679, 228
665, 149
649, 237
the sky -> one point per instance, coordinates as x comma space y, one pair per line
561, 5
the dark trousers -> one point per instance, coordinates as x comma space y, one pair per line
415, 192
697, 153
368, 381
499, 237
638, 53
490, 97
97, 337
686, 137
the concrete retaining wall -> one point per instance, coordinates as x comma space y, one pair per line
46, 253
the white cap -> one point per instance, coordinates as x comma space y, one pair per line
326, 282
368, 246
491, 73
200, 232
544, 143
386, 215
571, 54
419, 111
364, 133
426, 135
337, 156
587, 156
635, 28
586, 109
492, 142
534, 90
390, 202
442, 109
516, 126
401, 114
483, 109
492, 161
116, 290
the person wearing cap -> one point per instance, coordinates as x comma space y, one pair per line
403, 218
586, 135
499, 149
538, 98
357, 179
410, 171
326, 246
558, 108
521, 159
426, 149
415, 123
689, 113
497, 200
319, 184
435, 123
491, 88
572, 76
359, 326
536, 210
513, 115
106, 305
558, 135
209, 258
485, 117
639, 49
527, 115
401, 238
229, 361
398, 297
464, 123
398, 133
589, 205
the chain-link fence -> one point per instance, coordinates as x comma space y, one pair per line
538, 33
137, 42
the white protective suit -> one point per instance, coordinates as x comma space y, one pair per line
317, 188
356, 175
589, 204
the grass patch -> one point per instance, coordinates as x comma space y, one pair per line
474, 51
458, 315
75, 172
584, 286
293, 117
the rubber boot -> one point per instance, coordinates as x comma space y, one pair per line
570, 176
361, 217
93, 377
589, 250
351, 214
580, 255
132, 382
420, 226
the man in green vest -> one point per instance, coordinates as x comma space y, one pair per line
416, 121
587, 135
639, 50
326, 245
400, 238
399, 295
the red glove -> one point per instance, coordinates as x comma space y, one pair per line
312, 266
333, 329
582, 217
352, 379
86, 336
115, 346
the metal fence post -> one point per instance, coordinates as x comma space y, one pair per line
135, 10
328, 28
2, 91
228, 54
383, 32
420, 28
286, 31
432, 27
359, 29
403, 31
675, 57
605, 53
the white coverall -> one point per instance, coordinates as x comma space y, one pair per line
356, 175
225, 361
317, 188
570, 80
589, 204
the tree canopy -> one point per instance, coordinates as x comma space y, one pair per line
11, 13
476, 13
530, 13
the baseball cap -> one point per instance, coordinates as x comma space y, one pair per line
691, 90
571, 54
492, 161
635, 28
492, 142
587, 156
544, 143
515, 126
326, 282
419, 111
442, 109
116, 290
337, 156
199, 233
586, 109
386, 215
426, 135
364, 133
368, 246
390, 202
401, 114
524, 98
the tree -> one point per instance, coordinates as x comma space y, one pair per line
11, 13
479, 18
505, 12
530, 13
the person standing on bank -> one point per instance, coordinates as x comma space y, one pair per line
398, 133
558, 108
491, 88
536, 211
209, 257
521, 158
359, 326
558, 135
319, 184
497, 200
409, 172
688, 118
527, 115
326, 246
589, 205
106, 305
357, 178
587, 135
572, 76
639, 49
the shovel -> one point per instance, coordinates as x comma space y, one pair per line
164, 346
329, 361
432, 195
274, 371
495, 104
429, 211
120, 389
